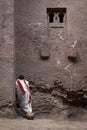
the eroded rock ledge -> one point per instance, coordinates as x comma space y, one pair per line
77, 95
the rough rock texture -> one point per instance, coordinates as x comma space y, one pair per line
6, 57
53, 59
77, 95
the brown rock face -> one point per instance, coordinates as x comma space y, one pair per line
51, 51
77, 95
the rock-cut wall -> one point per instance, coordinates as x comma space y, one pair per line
52, 54
6, 57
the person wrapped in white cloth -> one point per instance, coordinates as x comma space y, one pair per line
24, 96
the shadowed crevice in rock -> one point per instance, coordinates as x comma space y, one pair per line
77, 95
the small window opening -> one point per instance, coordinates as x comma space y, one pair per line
61, 17
51, 18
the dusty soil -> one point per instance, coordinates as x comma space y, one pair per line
40, 124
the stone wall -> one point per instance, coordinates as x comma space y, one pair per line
6, 56
45, 58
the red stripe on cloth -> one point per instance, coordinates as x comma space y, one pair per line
27, 84
30, 100
21, 87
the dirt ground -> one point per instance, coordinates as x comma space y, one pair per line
40, 124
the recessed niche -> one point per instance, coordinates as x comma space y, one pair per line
56, 17
56, 21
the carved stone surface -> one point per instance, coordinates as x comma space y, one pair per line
58, 83
75, 96
31, 31
44, 53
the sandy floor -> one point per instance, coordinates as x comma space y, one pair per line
40, 124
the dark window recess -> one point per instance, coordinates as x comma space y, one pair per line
56, 15
61, 17
51, 18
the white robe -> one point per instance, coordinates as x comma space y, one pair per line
23, 99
